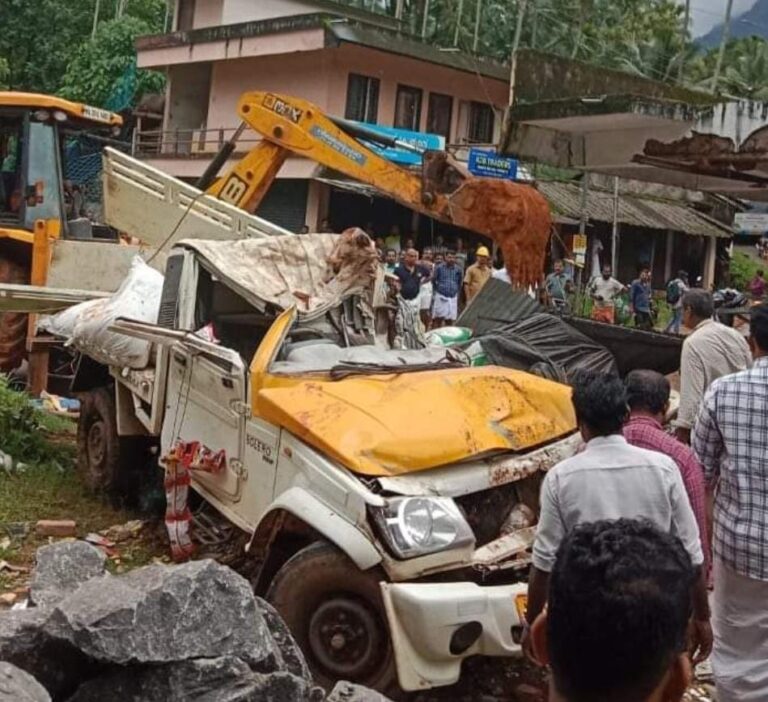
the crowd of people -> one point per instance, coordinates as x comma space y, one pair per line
436, 282
626, 548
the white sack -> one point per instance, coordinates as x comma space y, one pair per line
84, 326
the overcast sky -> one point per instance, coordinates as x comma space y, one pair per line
707, 13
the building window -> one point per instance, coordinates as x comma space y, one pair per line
185, 19
439, 114
480, 127
362, 98
408, 108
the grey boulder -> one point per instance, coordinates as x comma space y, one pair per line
349, 692
17, 685
61, 568
225, 679
287, 652
58, 665
159, 614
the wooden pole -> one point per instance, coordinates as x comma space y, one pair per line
425, 20
723, 41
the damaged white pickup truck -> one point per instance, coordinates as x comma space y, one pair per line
390, 496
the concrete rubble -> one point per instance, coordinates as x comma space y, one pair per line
165, 633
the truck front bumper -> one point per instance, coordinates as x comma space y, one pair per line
435, 626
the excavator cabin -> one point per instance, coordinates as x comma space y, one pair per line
41, 139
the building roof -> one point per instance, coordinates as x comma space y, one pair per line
634, 210
415, 47
339, 29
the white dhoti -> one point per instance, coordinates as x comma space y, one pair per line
445, 307
740, 623
425, 296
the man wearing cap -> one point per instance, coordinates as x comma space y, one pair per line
478, 273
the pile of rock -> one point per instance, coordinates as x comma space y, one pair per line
165, 633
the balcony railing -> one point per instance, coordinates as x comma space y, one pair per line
187, 143
204, 143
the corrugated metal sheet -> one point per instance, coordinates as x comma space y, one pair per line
565, 199
495, 305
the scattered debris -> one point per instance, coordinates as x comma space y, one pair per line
19, 686
123, 532
4, 565
56, 527
8, 599
55, 404
61, 568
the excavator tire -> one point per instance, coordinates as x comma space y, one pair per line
13, 325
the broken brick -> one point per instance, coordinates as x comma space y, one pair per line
56, 527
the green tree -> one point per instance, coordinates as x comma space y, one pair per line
745, 69
40, 38
102, 64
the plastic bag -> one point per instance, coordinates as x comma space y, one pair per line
85, 325
446, 336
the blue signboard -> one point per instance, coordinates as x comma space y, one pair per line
489, 164
428, 142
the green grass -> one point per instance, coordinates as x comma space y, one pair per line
48, 486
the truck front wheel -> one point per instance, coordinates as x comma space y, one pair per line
335, 612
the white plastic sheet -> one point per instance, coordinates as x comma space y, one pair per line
85, 326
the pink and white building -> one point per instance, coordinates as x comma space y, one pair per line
352, 63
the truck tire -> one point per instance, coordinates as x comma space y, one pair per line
98, 445
13, 325
335, 612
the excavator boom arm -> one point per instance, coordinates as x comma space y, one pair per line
515, 216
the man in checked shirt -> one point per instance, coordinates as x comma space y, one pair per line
730, 438
648, 399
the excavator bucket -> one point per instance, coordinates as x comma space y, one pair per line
515, 216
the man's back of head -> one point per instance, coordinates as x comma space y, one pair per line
618, 611
647, 392
600, 403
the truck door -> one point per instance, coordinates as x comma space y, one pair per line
206, 402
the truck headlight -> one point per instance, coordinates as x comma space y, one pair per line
416, 526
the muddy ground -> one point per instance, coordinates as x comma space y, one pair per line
53, 490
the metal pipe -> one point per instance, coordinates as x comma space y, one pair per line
359, 132
210, 173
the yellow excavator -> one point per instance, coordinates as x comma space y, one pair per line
38, 206
515, 216
37, 201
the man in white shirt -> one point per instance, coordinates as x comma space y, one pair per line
603, 289
711, 351
612, 479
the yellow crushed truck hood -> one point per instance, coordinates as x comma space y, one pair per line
395, 424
